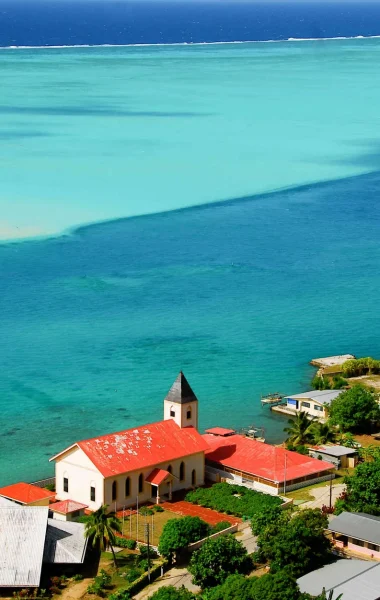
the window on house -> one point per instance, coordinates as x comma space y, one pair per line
92, 493
182, 471
193, 477
141, 483
306, 404
357, 542
170, 469
317, 407
188, 413
127, 487
65, 484
373, 547
172, 412
114, 490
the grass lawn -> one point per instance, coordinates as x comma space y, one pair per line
305, 494
137, 530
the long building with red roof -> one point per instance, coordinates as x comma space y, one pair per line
137, 465
240, 459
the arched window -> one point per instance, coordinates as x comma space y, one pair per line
188, 412
127, 487
182, 471
141, 483
114, 490
172, 411
170, 469
193, 477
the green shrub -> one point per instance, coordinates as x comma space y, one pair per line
144, 551
233, 499
158, 508
95, 589
144, 564
145, 511
103, 579
133, 574
220, 527
120, 595
78, 577
124, 543
50, 487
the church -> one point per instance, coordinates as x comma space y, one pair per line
146, 463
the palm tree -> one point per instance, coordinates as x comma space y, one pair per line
299, 429
100, 527
322, 433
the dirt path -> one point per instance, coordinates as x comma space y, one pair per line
75, 590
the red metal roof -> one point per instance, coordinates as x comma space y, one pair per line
26, 493
157, 476
67, 506
260, 459
141, 447
220, 431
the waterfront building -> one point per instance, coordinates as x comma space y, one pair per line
138, 465
27, 494
358, 533
314, 403
245, 461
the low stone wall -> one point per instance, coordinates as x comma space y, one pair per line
44, 482
196, 545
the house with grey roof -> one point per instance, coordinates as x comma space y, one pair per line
354, 579
29, 539
357, 533
314, 403
339, 456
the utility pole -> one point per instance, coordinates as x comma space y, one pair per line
137, 520
122, 529
285, 474
147, 540
331, 478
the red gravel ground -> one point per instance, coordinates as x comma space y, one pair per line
212, 517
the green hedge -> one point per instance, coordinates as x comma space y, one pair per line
136, 586
124, 543
234, 500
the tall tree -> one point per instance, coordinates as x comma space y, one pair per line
218, 558
362, 490
100, 528
177, 534
299, 429
354, 409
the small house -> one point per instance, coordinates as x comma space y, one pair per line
27, 494
339, 456
67, 510
358, 533
314, 403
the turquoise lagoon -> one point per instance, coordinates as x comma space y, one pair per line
276, 148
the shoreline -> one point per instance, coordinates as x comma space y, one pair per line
73, 230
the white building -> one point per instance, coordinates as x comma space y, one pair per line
141, 464
314, 403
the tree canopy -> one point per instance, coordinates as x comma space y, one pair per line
354, 409
298, 429
362, 490
100, 528
169, 592
177, 534
278, 586
296, 544
218, 558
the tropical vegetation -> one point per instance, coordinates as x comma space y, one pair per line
218, 558
360, 366
355, 409
177, 534
169, 592
233, 499
362, 490
100, 529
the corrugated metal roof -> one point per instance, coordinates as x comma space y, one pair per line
355, 579
357, 525
22, 539
65, 542
260, 459
181, 392
4, 502
321, 396
141, 447
25, 493
334, 450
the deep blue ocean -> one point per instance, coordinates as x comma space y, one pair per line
71, 22
239, 290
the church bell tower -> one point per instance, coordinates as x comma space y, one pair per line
181, 404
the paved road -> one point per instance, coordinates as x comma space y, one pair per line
322, 495
248, 540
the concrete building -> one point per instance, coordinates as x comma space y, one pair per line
339, 456
142, 464
314, 403
67, 510
27, 494
358, 533
239, 459
354, 579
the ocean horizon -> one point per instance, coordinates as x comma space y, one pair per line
180, 203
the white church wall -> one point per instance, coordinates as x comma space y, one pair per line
81, 475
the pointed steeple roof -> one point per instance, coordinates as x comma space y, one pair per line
181, 392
